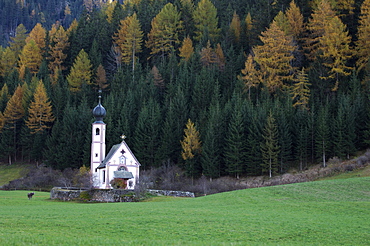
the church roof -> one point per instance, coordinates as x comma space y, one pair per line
112, 151
123, 174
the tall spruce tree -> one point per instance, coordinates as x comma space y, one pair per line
270, 147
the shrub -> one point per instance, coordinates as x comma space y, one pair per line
85, 196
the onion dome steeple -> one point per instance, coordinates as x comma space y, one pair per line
99, 111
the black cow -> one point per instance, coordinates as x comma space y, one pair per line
30, 195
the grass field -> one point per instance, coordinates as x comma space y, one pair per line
332, 212
11, 172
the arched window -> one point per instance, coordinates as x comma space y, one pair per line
97, 131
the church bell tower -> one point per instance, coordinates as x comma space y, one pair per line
98, 142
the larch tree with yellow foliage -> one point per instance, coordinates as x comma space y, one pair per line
274, 57
8, 61
300, 90
129, 39
30, 58
38, 34
40, 113
295, 19
187, 49
80, 73
316, 28
14, 110
363, 36
336, 50
57, 49
191, 147
235, 27
206, 21
164, 35
250, 75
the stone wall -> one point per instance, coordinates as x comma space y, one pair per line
171, 193
97, 195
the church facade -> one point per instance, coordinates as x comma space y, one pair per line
119, 168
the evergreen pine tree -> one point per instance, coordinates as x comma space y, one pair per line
270, 147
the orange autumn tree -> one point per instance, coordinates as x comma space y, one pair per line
129, 38
187, 49
101, 78
295, 19
57, 49
40, 114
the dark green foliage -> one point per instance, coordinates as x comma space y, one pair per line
270, 146
213, 136
235, 147
147, 135
322, 138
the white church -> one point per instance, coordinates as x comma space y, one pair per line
119, 165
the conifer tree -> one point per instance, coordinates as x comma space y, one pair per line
250, 75
295, 19
146, 140
207, 55
363, 36
187, 49
101, 78
283, 22
235, 27
129, 38
8, 61
191, 148
80, 73
11, 119
30, 58
40, 114
274, 57
249, 26
270, 147
38, 34
322, 136
14, 110
211, 158
4, 97
235, 149
57, 50
336, 50
187, 9
17, 42
301, 90
316, 28
164, 35
206, 22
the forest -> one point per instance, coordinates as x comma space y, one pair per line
216, 87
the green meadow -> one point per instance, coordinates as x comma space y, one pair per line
330, 212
